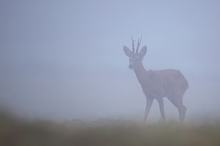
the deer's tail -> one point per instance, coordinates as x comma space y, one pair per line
185, 83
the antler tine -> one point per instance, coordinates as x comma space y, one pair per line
138, 45
133, 50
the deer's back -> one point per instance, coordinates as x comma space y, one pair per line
164, 83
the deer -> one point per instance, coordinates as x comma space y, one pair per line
157, 84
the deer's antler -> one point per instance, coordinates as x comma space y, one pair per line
133, 50
138, 45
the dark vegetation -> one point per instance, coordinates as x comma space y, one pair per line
20, 132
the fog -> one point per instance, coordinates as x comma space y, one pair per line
64, 59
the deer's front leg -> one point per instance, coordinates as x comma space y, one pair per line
161, 105
147, 108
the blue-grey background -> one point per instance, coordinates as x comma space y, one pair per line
64, 59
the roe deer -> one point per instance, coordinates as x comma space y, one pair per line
158, 84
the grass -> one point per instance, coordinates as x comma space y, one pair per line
17, 132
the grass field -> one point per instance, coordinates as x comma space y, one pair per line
15, 132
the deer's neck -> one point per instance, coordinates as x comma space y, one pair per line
140, 72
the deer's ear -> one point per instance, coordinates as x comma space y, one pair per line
143, 51
127, 51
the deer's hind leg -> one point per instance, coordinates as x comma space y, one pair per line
178, 102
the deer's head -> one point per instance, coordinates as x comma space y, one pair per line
135, 56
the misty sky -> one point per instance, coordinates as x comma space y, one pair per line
64, 59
